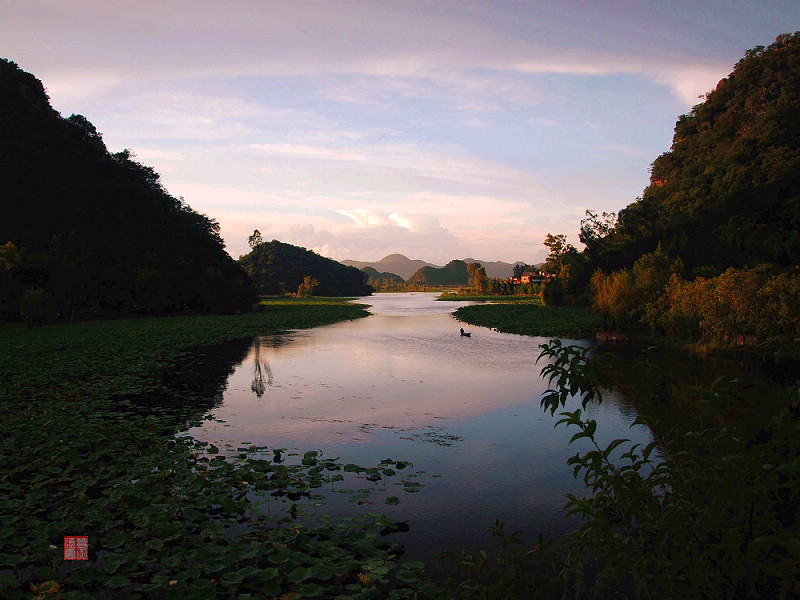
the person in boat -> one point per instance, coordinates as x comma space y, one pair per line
464, 333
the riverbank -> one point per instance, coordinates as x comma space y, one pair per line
535, 300
529, 319
164, 516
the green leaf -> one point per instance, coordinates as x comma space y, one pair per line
86, 574
610, 448
118, 581
310, 590
114, 562
114, 539
300, 574
406, 576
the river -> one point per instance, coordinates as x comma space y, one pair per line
404, 384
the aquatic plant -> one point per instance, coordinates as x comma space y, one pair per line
532, 319
167, 516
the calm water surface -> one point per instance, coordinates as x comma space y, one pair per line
403, 384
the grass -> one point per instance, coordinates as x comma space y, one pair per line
166, 516
265, 301
529, 319
537, 300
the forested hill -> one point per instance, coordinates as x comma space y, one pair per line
277, 268
453, 273
87, 233
727, 193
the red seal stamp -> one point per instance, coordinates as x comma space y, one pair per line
76, 547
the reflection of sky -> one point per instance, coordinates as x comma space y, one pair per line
386, 371
403, 387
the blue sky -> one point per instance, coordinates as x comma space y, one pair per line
436, 129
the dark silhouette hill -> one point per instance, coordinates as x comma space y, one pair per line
277, 268
86, 233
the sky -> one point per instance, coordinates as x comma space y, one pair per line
438, 129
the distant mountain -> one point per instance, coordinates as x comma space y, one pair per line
405, 267
394, 263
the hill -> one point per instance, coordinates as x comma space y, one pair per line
86, 233
453, 273
405, 267
727, 193
277, 268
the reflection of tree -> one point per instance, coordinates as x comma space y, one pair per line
259, 386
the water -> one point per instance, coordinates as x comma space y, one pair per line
403, 384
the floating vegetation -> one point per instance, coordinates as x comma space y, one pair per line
167, 516
528, 319
436, 435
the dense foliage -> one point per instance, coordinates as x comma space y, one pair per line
86, 233
712, 514
738, 306
279, 269
383, 281
530, 318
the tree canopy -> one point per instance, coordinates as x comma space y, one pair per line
383, 280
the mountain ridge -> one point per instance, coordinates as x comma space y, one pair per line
405, 267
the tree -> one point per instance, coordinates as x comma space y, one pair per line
571, 269
255, 239
595, 228
559, 250
478, 280
11, 289
306, 288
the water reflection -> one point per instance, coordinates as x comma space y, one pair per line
405, 384
261, 369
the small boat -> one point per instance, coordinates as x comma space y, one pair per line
464, 333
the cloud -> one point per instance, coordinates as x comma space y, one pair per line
365, 127
388, 47
425, 238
